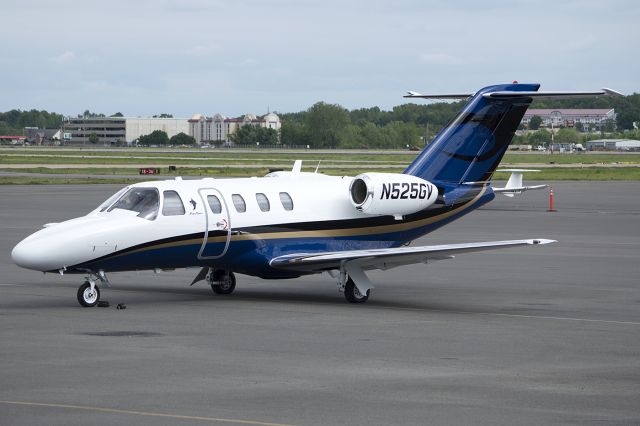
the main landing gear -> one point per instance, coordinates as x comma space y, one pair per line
347, 277
88, 292
352, 294
221, 281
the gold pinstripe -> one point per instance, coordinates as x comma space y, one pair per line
348, 232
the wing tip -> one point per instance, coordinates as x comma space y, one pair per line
541, 241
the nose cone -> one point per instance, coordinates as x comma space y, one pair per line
29, 254
21, 255
68, 243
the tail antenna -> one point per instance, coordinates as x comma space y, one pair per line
318, 166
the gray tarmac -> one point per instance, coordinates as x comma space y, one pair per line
534, 335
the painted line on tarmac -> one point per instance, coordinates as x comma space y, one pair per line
142, 413
542, 317
497, 314
559, 318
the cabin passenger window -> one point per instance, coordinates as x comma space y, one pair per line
144, 201
172, 204
286, 201
239, 203
263, 202
214, 204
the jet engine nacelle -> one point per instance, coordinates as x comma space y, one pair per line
391, 193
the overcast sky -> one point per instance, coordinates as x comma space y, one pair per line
207, 56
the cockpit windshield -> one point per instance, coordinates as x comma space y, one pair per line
105, 205
144, 201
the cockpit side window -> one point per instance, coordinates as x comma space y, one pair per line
172, 205
144, 201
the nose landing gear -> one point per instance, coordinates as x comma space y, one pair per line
89, 293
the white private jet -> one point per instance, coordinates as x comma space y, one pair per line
289, 224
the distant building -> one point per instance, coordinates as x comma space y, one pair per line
118, 130
220, 128
12, 140
613, 145
36, 136
200, 128
570, 117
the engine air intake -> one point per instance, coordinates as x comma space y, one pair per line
391, 194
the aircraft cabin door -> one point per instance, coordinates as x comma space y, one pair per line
217, 233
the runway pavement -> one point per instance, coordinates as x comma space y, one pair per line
528, 336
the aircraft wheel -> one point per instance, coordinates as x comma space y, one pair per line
86, 297
352, 294
220, 284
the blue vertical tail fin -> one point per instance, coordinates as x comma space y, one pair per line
470, 148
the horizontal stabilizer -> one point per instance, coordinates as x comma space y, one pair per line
417, 95
389, 257
510, 192
519, 94
514, 184
549, 95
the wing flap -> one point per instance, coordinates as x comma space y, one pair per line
390, 257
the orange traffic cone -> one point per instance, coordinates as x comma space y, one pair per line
551, 209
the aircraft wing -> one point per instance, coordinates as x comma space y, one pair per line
390, 257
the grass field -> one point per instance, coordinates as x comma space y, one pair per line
62, 165
213, 156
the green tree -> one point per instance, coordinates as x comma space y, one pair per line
535, 122
89, 114
540, 137
267, 136
372, 135
567, 135
352, 137
245, 135
294, 133
93, 138
182, 139
250, 135
117, 114
406, 134
326, 124
609, 126
157, 137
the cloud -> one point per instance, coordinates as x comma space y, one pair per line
65, 57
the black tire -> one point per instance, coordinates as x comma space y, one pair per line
221, 285
86, 298
352, 294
